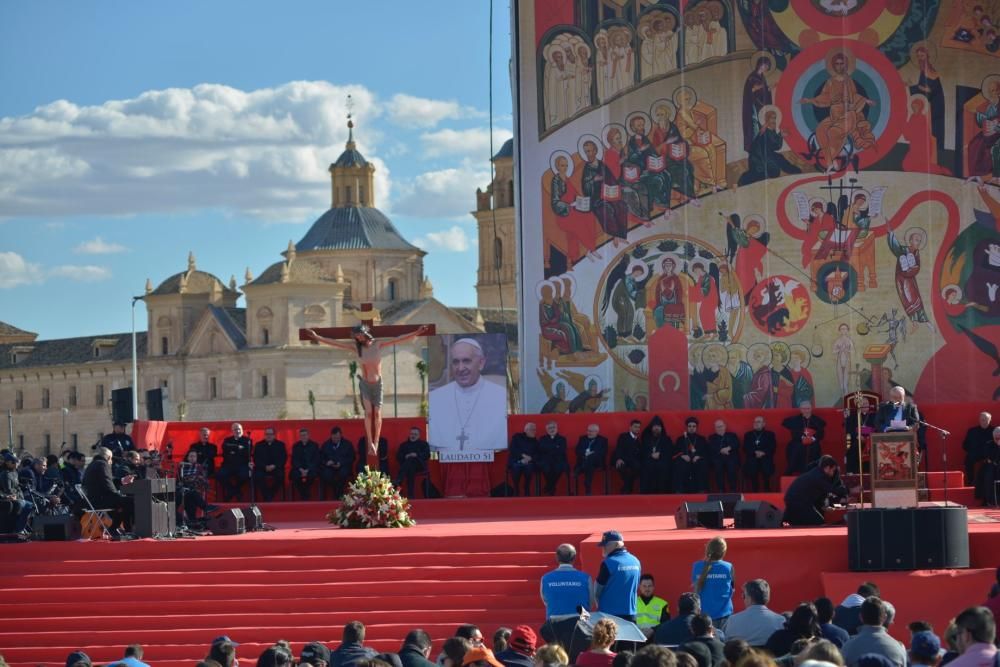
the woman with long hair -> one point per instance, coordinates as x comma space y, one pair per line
600, 653
712, 579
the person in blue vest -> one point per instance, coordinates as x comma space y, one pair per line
566, 588
712, 579
618, 579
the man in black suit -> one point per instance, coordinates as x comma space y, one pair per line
205, 450
118, 441
522, 459
591, 455
656, 450
724, 448
809, 494
975, 444
412, 456
989, 472
857, 438
269, 457
704, 634
235, 468
896, 409
99, 485
305, 464
759, 444
552, 459
807, 435
677, 631
336, 462
690, 460
627, 456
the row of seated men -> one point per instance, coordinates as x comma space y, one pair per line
648, 455
982, 459
333, 464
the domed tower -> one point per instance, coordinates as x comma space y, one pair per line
497, 239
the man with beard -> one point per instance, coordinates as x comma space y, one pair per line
599, 184
656, 448
627, 456
412, 456
690, 460
765, 158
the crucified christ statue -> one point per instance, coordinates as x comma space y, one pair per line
369, 351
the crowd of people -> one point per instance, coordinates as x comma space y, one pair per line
618, 620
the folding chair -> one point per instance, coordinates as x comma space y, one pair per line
101, 516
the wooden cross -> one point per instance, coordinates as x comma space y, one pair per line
367, 317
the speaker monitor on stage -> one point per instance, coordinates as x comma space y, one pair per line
913, 538
705, 515
121, 406
756, 514
728, 501
228, 522
253, 518
59, 528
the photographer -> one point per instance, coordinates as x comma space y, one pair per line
99, 485
192, 485
12, 502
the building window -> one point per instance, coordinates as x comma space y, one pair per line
213, 387
72, 396
392, 289
99, 395
264, 389
163, 346
265, 336
19, 400
347, 194
97, 352
361, 195
510, 193
347, 290
45, 399
75, 439
497, 254
20, 441
48, 443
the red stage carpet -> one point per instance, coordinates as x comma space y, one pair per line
475, 561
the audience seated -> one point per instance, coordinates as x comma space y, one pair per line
872, 637
803, 624
352, 649
756, 623
830, 631
848, 613
704, 634
677, 630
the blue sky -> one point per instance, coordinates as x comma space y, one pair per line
131, 133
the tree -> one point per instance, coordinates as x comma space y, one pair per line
312, 403
422, 371
352, 369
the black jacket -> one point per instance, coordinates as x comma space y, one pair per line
99, 485
206, 455
798, 424
118, 444
272, 453
598, 451
660, 443
692, 445
975, 442
511, 658
716, 442
347, 655
887, 412
10, 484
811, 488
421, 448
520, 445
628, 449
552, 450
412, 656
236, 452
342, 453
674, 632
715, 648
848, 618
764, 441
304, 455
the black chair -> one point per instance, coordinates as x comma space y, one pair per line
605, 472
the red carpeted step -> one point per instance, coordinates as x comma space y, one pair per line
287, 616
962, 495
304, 577
360, 606
279, 563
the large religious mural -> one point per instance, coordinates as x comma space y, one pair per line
754, 203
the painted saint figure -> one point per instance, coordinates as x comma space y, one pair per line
843, 352
668, 306
602, 188
580, 230
907, 268
765, 158
756, 96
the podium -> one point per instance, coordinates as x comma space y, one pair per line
155, 502
893, 469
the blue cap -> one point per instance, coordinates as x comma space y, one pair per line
925, 644
610, 536
9, 456
223, 638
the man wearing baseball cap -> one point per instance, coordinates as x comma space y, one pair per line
618, 579
316, 654
118, 441
12, 502
925, 649
521, 648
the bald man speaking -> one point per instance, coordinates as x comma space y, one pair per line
469, 413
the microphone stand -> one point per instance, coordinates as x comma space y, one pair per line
944, 454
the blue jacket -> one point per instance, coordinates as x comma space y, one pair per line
347, 655
619, 576
564, 589
717, 593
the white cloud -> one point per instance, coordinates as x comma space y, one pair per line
409, 111
445, 193
14, 271
473, 143
453, 239
262, 152
84, 274
99, 246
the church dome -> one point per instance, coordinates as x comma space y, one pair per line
191, 281
353, 228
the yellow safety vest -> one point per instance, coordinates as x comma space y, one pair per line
648, 615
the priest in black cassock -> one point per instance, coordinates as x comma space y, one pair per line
807, 432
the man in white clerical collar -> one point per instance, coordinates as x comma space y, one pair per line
470, 412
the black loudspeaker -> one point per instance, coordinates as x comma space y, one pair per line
728, 501
693, 515
228, 522
154, 405
253, 518
121, 406
908, 538
60, 528
756, 514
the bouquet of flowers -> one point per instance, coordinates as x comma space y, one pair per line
371, 501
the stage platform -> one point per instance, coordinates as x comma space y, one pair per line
467, 560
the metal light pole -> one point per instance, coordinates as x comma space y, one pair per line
65, 411
135, 363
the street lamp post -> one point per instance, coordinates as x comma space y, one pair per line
65, 411
135, 364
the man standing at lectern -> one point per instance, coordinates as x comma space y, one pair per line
896, 414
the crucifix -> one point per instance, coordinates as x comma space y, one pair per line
368, 340
462, 439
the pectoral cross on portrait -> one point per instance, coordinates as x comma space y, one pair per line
462, 439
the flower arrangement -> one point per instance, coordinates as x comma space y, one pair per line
371, 501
